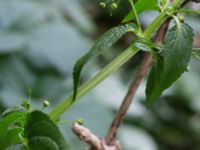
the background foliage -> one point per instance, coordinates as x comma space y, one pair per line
40, 40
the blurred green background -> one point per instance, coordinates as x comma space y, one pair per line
40, 40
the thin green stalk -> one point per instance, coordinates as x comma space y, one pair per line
136, 15
110, 68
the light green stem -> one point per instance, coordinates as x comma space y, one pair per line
188, 11
136, 15
110, 68
90, 84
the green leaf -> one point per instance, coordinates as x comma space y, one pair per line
11, 110
6, 126
43, 134
142, 5
173, 61
163, 2
102, 44
14, 137
16, 147
145, 44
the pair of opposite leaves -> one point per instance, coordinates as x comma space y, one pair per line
168, 65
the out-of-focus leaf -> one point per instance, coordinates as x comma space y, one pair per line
43, 134
172, 63
18, 79
142, 5
55, 45
10, 42
78, 14
102, 44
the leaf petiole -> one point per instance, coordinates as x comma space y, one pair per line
136, 15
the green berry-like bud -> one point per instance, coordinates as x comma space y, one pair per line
26, 104
80, 121
46, 103
102, 4
114, 6
181, 18
188, 68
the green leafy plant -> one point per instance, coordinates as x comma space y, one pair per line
34, 130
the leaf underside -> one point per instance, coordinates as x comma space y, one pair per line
171, 63
102, 44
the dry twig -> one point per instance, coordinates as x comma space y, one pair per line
95, 142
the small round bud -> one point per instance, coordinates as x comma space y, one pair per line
102, 4
187, 69
45, 103
114, 6
181, 18
80, 121
26, 105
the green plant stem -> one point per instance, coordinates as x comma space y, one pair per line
188, 11
110, 68
90, 84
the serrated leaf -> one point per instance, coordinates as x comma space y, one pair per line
169, 65
6, 124
43, 134
102, 44
142, 5
163, 2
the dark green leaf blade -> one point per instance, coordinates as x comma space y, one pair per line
103, 43
142, 5
169, 65
43, 134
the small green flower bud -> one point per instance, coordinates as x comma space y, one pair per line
188, 68
114, 6
26, 104
80, 121
181, 18
46, 103
102, 4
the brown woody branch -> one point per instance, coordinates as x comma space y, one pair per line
110, 143
94, 141
147, 61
